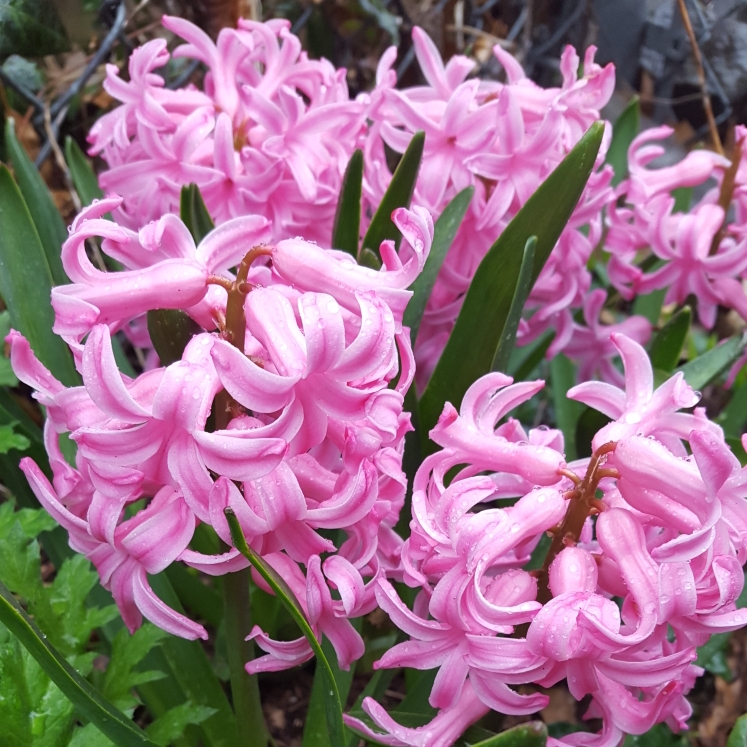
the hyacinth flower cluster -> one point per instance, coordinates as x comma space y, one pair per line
700, 252
270, 134
273, 131
280, 408
502, 139
649, 536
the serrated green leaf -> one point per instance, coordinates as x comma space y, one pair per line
473, 341
738, 735
444, 231
522, 290
282, 590
666, 347
531, 734
128, 650
44, 212
26, 282
194, 214
9, 439
170, 331
708, 366
84, 179
623, 132
165, 729
347, 226
88, 701
398, 194
31, 28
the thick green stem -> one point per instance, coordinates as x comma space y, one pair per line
244, 688
237, 606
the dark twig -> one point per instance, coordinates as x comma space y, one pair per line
712, 127
101, 54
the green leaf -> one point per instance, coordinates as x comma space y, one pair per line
31, 28
521, 293
193, 212
472, 344
190, 670
127, 652
170, 331
660, 736
398, 194
623, 132
531, 734
444, 232
7, 376
347, 225
734, 416
368, 258
666, 347
26, 282
649, 306
526, 358
84, 179
44, 212
708, 366
282, 590
165, 729
9, 439
315, 733
567, 411
89, 703
738, 736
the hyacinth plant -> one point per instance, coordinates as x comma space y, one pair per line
277, 379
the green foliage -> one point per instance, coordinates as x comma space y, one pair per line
666, 347
44, 213
660, 736
347, 225
170, 331
705, 368
444, 232
532, 734
398, 194
43, 682
473, 342
623, 132
31, 28
26, 282
193, 212
84, 179
738, 736
333, 704
33, 709
521, 292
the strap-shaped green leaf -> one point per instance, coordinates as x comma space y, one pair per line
521, 293
89, 702
84, 179
315, 733
623, 132
26, 282
282, 590
44, 213
347, 226
473, 342
531, 734
193, 212
444, 232
398, 194
708, 366
666, 347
